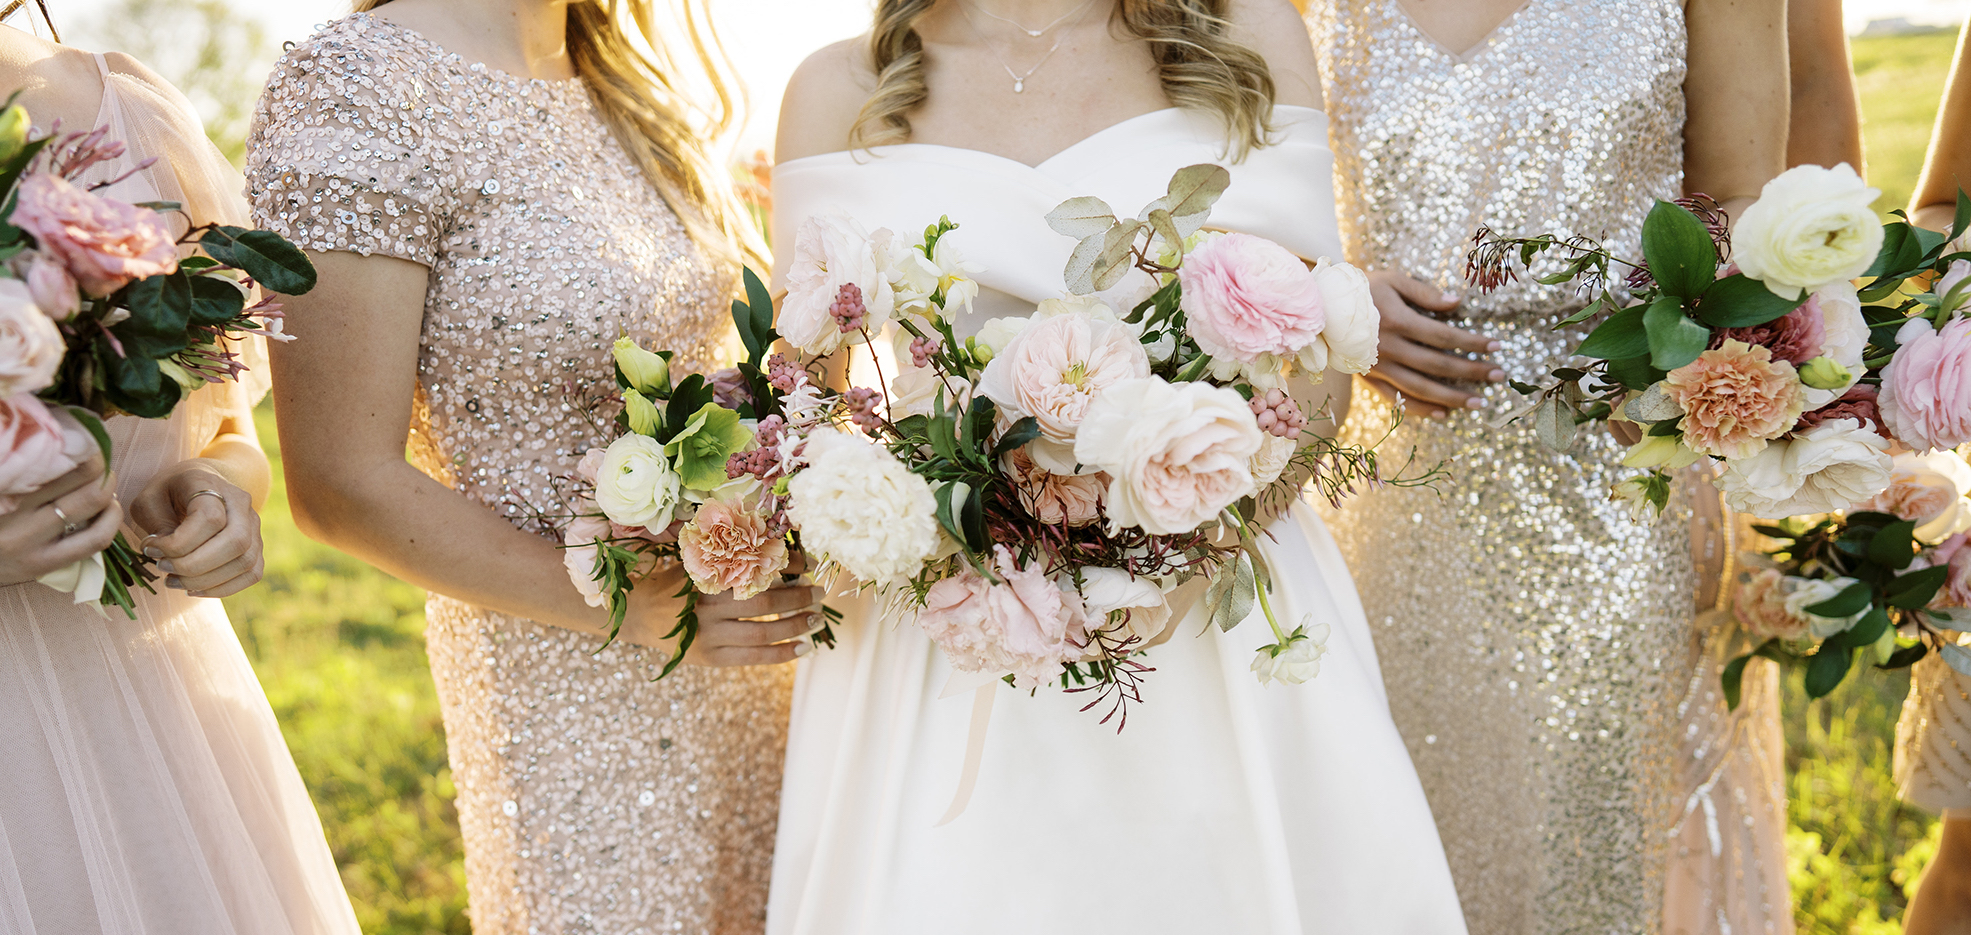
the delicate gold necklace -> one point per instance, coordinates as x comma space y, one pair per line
1019, 78
1034, 33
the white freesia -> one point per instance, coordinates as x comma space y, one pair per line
1633, 494
1107, 590
859, 507
1271, 460
1811, 227
831, 250
1802, 593
1300, 662
636, 485
1664, 451
916, 277
1176, 454
84, 579
1831, 466
1349, 339
1847, 337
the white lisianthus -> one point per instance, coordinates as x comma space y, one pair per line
831, 250
1176, 454
1271, 460
1107, 590
84, 579
1802, 593
1847, 337
1831, 466
1348, 342
1297, 662
1811, 227
858, 506
636, 485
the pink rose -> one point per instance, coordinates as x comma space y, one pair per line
579, 552
1796, 337
1956, 591
1735, 398
37, 445
1245, 296
54, 290
726, 547
31, 347
1027, 626
1926, 388
103, 242
1052, 371
1056, 499
1176, 454
1760, 606
1928, 490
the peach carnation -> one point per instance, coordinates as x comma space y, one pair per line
726, 547
1056, 499
1735, 399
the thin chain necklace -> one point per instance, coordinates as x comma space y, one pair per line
1019, 79
1034, 33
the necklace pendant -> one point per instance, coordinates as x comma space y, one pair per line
1035, 33
1019, 85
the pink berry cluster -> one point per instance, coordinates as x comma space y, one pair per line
848, 309
1277, 414
921, 349
862, 402
760, 462
781, 375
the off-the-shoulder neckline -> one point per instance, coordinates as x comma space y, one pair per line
453, 58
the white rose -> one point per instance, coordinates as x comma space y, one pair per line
636, 486
1300, 662
1847, 337
1176, 454
1831, 466
1348, 341
996, 333
831, 250
1810, 227
31, 346
862, 509
1802, 593
1272, 458
1107, 590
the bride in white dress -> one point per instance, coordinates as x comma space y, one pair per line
1224, 806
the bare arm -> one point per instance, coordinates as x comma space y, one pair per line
1826, 119
1948, 165
1943, 901
1736, 93
343, 391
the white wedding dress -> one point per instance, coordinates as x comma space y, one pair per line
1225, 807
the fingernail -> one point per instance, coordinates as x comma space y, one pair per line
172, 581
1495, 346
1450, 297
165, 565
815, 623
154, 553
1475, 403
1437, 414
803, 647
1496, 376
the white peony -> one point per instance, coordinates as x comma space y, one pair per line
831, 250
31, 347
1847, 337
636, 485
1802, 593
1348, 342
1300, 662
862, 509
1176, 454
1831, 466
1811, 226
1271, 460
1107, 590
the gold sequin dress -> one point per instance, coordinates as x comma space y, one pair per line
1539, 646
591, 799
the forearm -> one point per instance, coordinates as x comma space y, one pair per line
1826, 117
1737, 97
1943, 900
1947, 166
237, 458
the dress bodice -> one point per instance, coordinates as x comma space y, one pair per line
1281, 192
1567, 118
544, 239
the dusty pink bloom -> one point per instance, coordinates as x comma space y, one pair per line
37, 445
1245, 296
1760, 606
726, 547
1858, 403
1926, 388
579, 552
1053, 370
31, 347
1027, 626
54, 290
729, 389
1056, 499
1735, 398
103, 242
1796, 337
590, 466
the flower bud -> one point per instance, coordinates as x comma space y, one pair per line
186, 380
1634, 494
645, 371
981, 352
1664, 451
643, 415
1825, 373
13, 131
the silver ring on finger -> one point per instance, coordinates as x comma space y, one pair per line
69, 526
207, 492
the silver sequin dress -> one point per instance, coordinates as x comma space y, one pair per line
591, 800
1539, 646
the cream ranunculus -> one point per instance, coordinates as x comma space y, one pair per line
636, 485
1176, 454
1299, 661
830, 251
1053, 370
862, 509
1811, 226
1831, 466
31, 346
1348, 343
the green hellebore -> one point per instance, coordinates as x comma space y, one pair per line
643, 414
647, 372
700, 449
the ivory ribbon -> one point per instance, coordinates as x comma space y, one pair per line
974, 747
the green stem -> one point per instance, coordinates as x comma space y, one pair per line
1271, 621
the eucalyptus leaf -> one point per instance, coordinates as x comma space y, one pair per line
1161, 222
1958, 657
1653, 405
1553, 423
1948, 620
1192, 192
1081, 217
1232, 594
1099, 261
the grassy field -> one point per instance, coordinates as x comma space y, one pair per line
340, 648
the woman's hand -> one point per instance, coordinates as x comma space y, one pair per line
34, 537
201, 529
1415, 354
766, 629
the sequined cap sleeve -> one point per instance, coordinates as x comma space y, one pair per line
1933, 739
344, 153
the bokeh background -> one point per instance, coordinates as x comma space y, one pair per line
339, 646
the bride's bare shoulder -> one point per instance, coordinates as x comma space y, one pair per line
823, 99
1274, 29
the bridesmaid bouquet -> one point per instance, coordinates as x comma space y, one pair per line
1032, 496
1766, 357
1887, 577
99, 316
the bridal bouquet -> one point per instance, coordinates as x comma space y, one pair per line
1765, 357
1032, 495
99, 316
1888, 577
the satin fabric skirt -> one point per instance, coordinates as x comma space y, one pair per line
1225, 806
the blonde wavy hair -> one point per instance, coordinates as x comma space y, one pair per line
1200, 66
632, 74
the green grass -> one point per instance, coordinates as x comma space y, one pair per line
1900, 79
